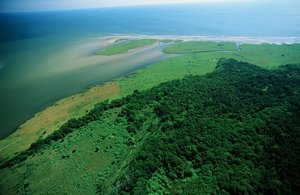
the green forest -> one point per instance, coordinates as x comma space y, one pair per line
233, 131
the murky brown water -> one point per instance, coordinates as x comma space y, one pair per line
36, 73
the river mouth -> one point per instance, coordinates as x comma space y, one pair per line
35, 77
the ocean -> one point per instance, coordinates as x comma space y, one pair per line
43, 55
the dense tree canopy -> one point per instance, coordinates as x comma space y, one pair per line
233, 131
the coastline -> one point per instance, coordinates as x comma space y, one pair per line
6, 151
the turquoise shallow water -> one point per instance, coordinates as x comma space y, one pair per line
45, 56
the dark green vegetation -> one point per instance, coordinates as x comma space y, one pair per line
195, 47
235, 130
124, 47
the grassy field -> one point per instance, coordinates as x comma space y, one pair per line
76, 164
270, 55
195, 47
44, 123
79, 162
266, 55
124, 47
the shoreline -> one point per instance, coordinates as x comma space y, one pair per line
237, 39
10, 139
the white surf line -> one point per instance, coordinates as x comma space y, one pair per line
239, 39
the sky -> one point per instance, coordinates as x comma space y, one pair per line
39, 5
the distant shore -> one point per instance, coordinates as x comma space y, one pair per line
238, 39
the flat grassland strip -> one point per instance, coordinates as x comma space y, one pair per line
270, 55
264, 55
195, 47
124, 47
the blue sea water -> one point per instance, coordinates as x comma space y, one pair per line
266, 18
29, 39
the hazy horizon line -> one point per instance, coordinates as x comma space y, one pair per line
116, 6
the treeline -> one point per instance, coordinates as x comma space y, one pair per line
234, 131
